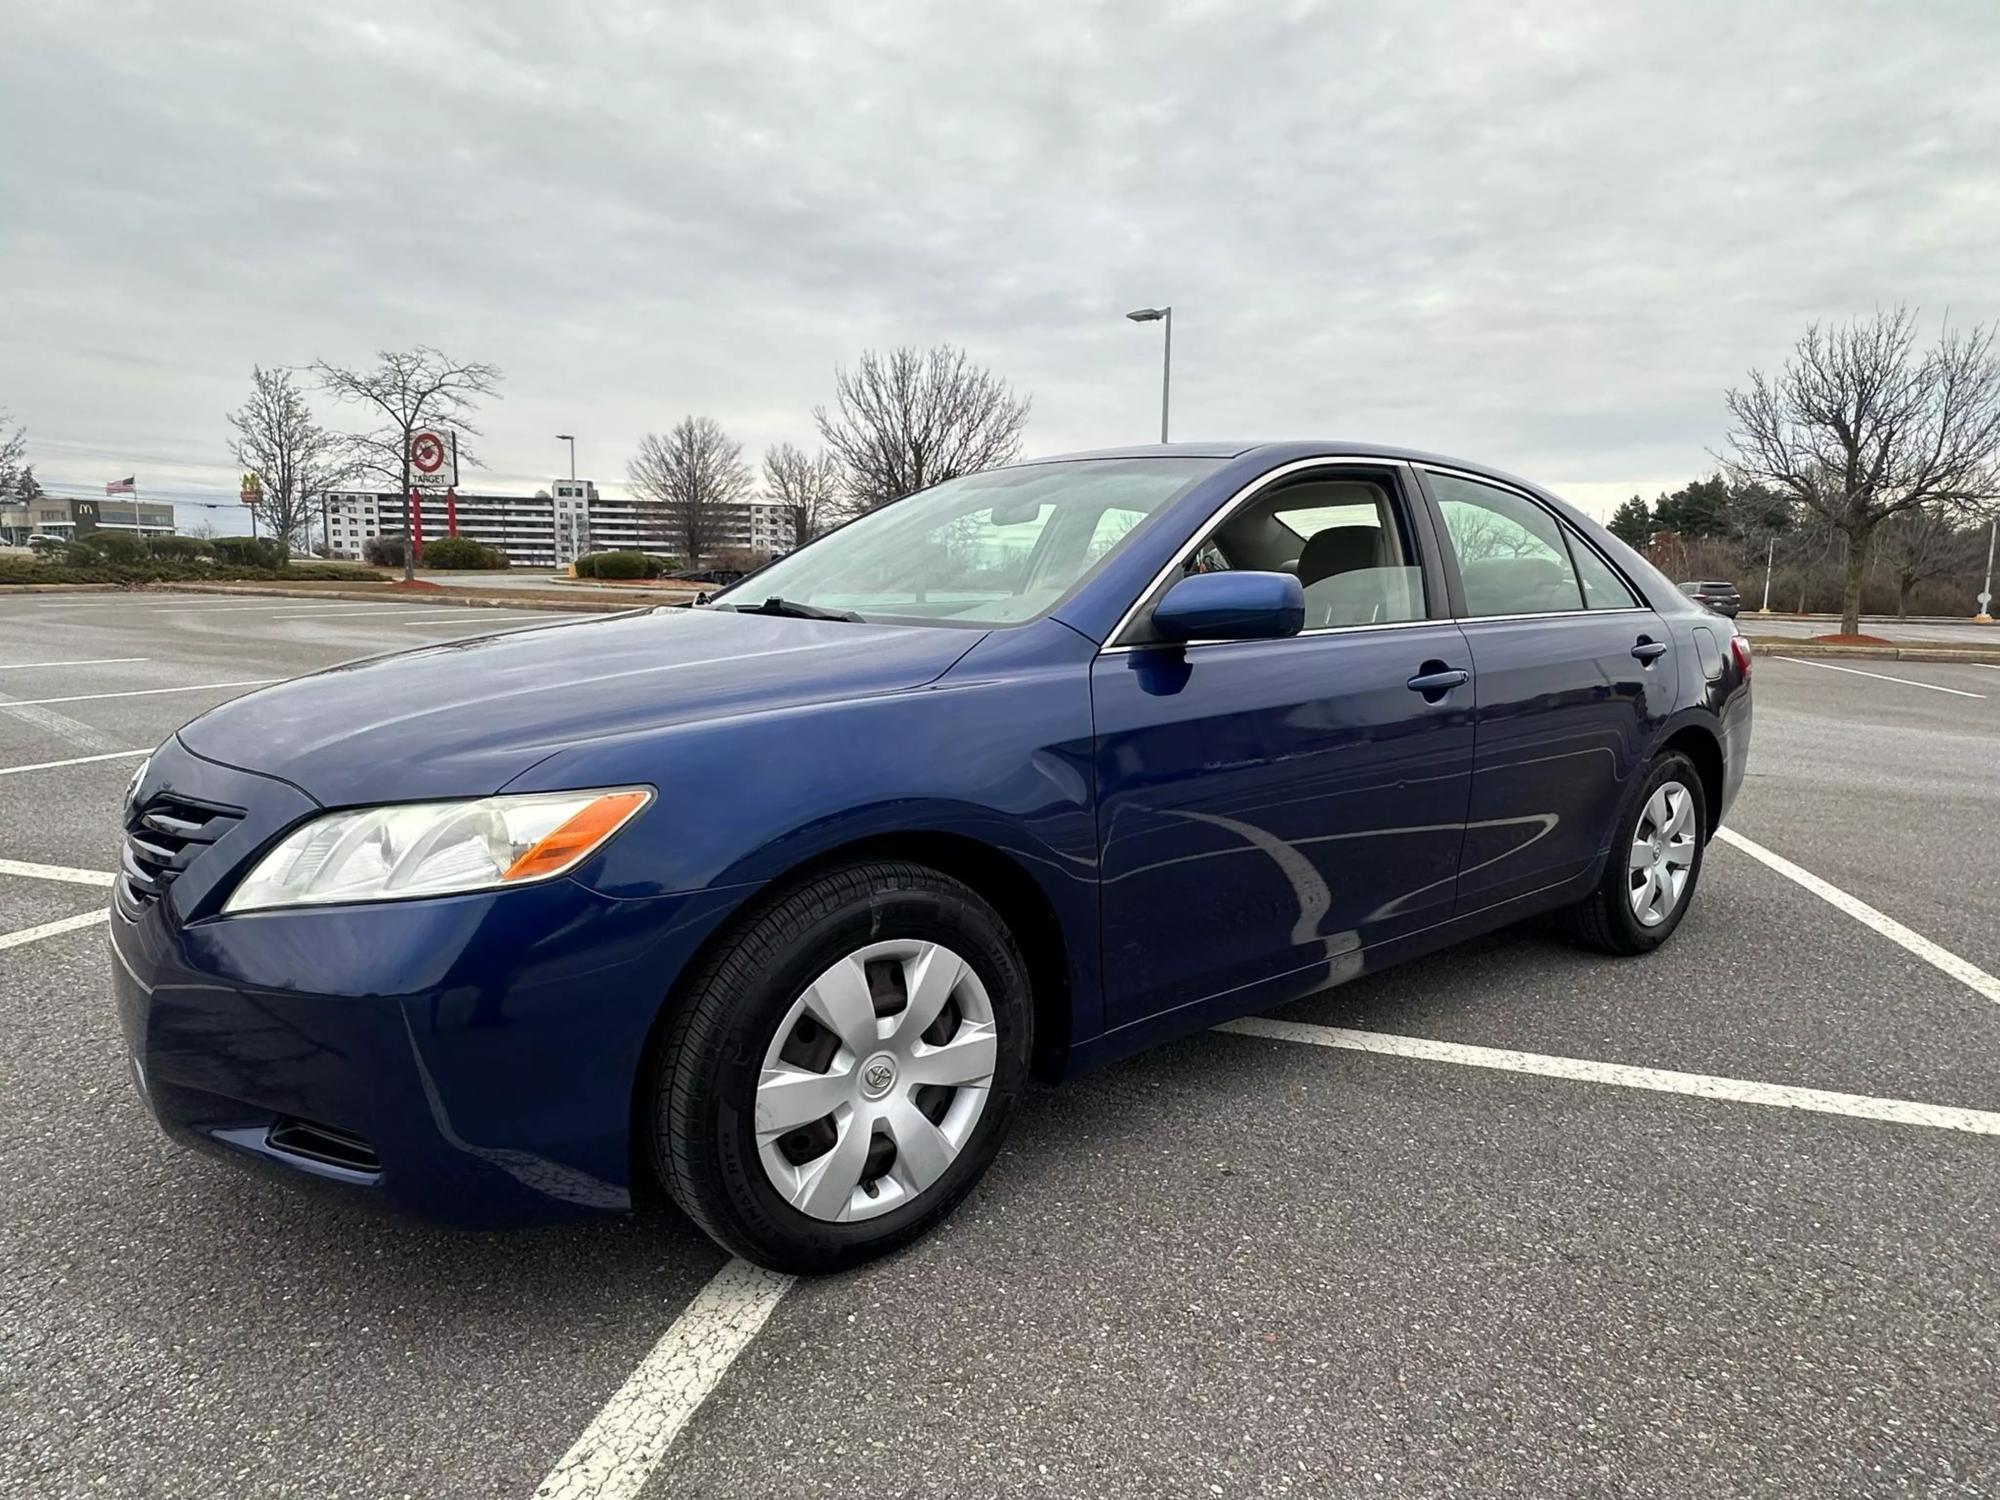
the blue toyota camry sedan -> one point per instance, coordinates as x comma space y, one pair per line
780, 900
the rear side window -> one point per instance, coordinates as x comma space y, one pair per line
1602, 587
1511, 556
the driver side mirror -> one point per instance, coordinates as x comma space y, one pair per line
1231, 606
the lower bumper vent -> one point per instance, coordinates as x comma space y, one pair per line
324, 1144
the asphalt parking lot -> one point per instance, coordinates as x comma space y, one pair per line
1410, 1242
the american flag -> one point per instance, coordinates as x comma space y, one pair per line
127, 486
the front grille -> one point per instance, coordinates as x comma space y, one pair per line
163, 837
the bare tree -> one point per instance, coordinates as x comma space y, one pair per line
1860, 425
805, 489
296, 460
695, 480
13, 445
407, 391
914, 418
1921, 544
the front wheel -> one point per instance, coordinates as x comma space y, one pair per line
842, 1071
1655, 863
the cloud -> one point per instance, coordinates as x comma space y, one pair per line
1543, 235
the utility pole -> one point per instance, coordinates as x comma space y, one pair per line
1770, 550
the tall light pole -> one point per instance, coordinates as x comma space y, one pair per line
564, 437
1770, 551
1985, 615
1161, 315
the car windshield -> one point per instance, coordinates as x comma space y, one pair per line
988, 549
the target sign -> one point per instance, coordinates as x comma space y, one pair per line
428, 452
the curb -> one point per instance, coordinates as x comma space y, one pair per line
1977, 655
380, 595
8, 590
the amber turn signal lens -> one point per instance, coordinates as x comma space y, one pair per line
576, 838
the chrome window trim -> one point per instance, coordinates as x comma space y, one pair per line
1556, 614
1266, 640
1228, 508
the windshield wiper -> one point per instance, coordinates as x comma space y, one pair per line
777, 606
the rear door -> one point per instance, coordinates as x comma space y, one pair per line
1267, 809
1575, 677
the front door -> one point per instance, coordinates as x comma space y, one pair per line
1268, 809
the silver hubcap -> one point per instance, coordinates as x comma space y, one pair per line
1663, 848
875, 1079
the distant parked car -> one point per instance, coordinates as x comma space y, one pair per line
43, 542
782, 899
718, 576
1717, 594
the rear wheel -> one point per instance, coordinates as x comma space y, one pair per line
1654, 866
843, 1069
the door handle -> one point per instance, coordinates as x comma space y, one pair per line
1648, 651
1437, 679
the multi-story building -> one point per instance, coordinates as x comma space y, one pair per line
770, 527
548, 529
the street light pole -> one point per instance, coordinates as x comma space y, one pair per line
1770, 549
1985, 615
1161, 315
564, 437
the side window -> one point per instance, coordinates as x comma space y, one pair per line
1511, 557
1343, 538
1602, 588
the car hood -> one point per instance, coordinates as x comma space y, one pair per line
463, 719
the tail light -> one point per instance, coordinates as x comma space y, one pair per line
1739, 647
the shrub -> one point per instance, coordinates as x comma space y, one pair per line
586, 566
385, 551
462, 552
113, 546
251, 551
620, 565
179, 548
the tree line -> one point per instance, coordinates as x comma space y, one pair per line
900, 421
1865, 469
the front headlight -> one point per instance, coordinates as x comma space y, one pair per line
435, 848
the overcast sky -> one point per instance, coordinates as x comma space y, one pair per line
1542, 235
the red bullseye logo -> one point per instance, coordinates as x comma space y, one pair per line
427, 453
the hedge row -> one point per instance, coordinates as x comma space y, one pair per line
624, 565
166, 570
439, 552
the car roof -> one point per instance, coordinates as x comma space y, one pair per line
1285, 451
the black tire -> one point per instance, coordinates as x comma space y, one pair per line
1604, 919
704, 1090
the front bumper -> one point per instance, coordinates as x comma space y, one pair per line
467, 1059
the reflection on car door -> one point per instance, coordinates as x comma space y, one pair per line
1267, 809
1575, 676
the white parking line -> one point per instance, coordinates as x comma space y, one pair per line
50, 929
1800, 661
95, 661
627, 1439
77, 760
1968, 974
62, 873
1658, 1080
197, 687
